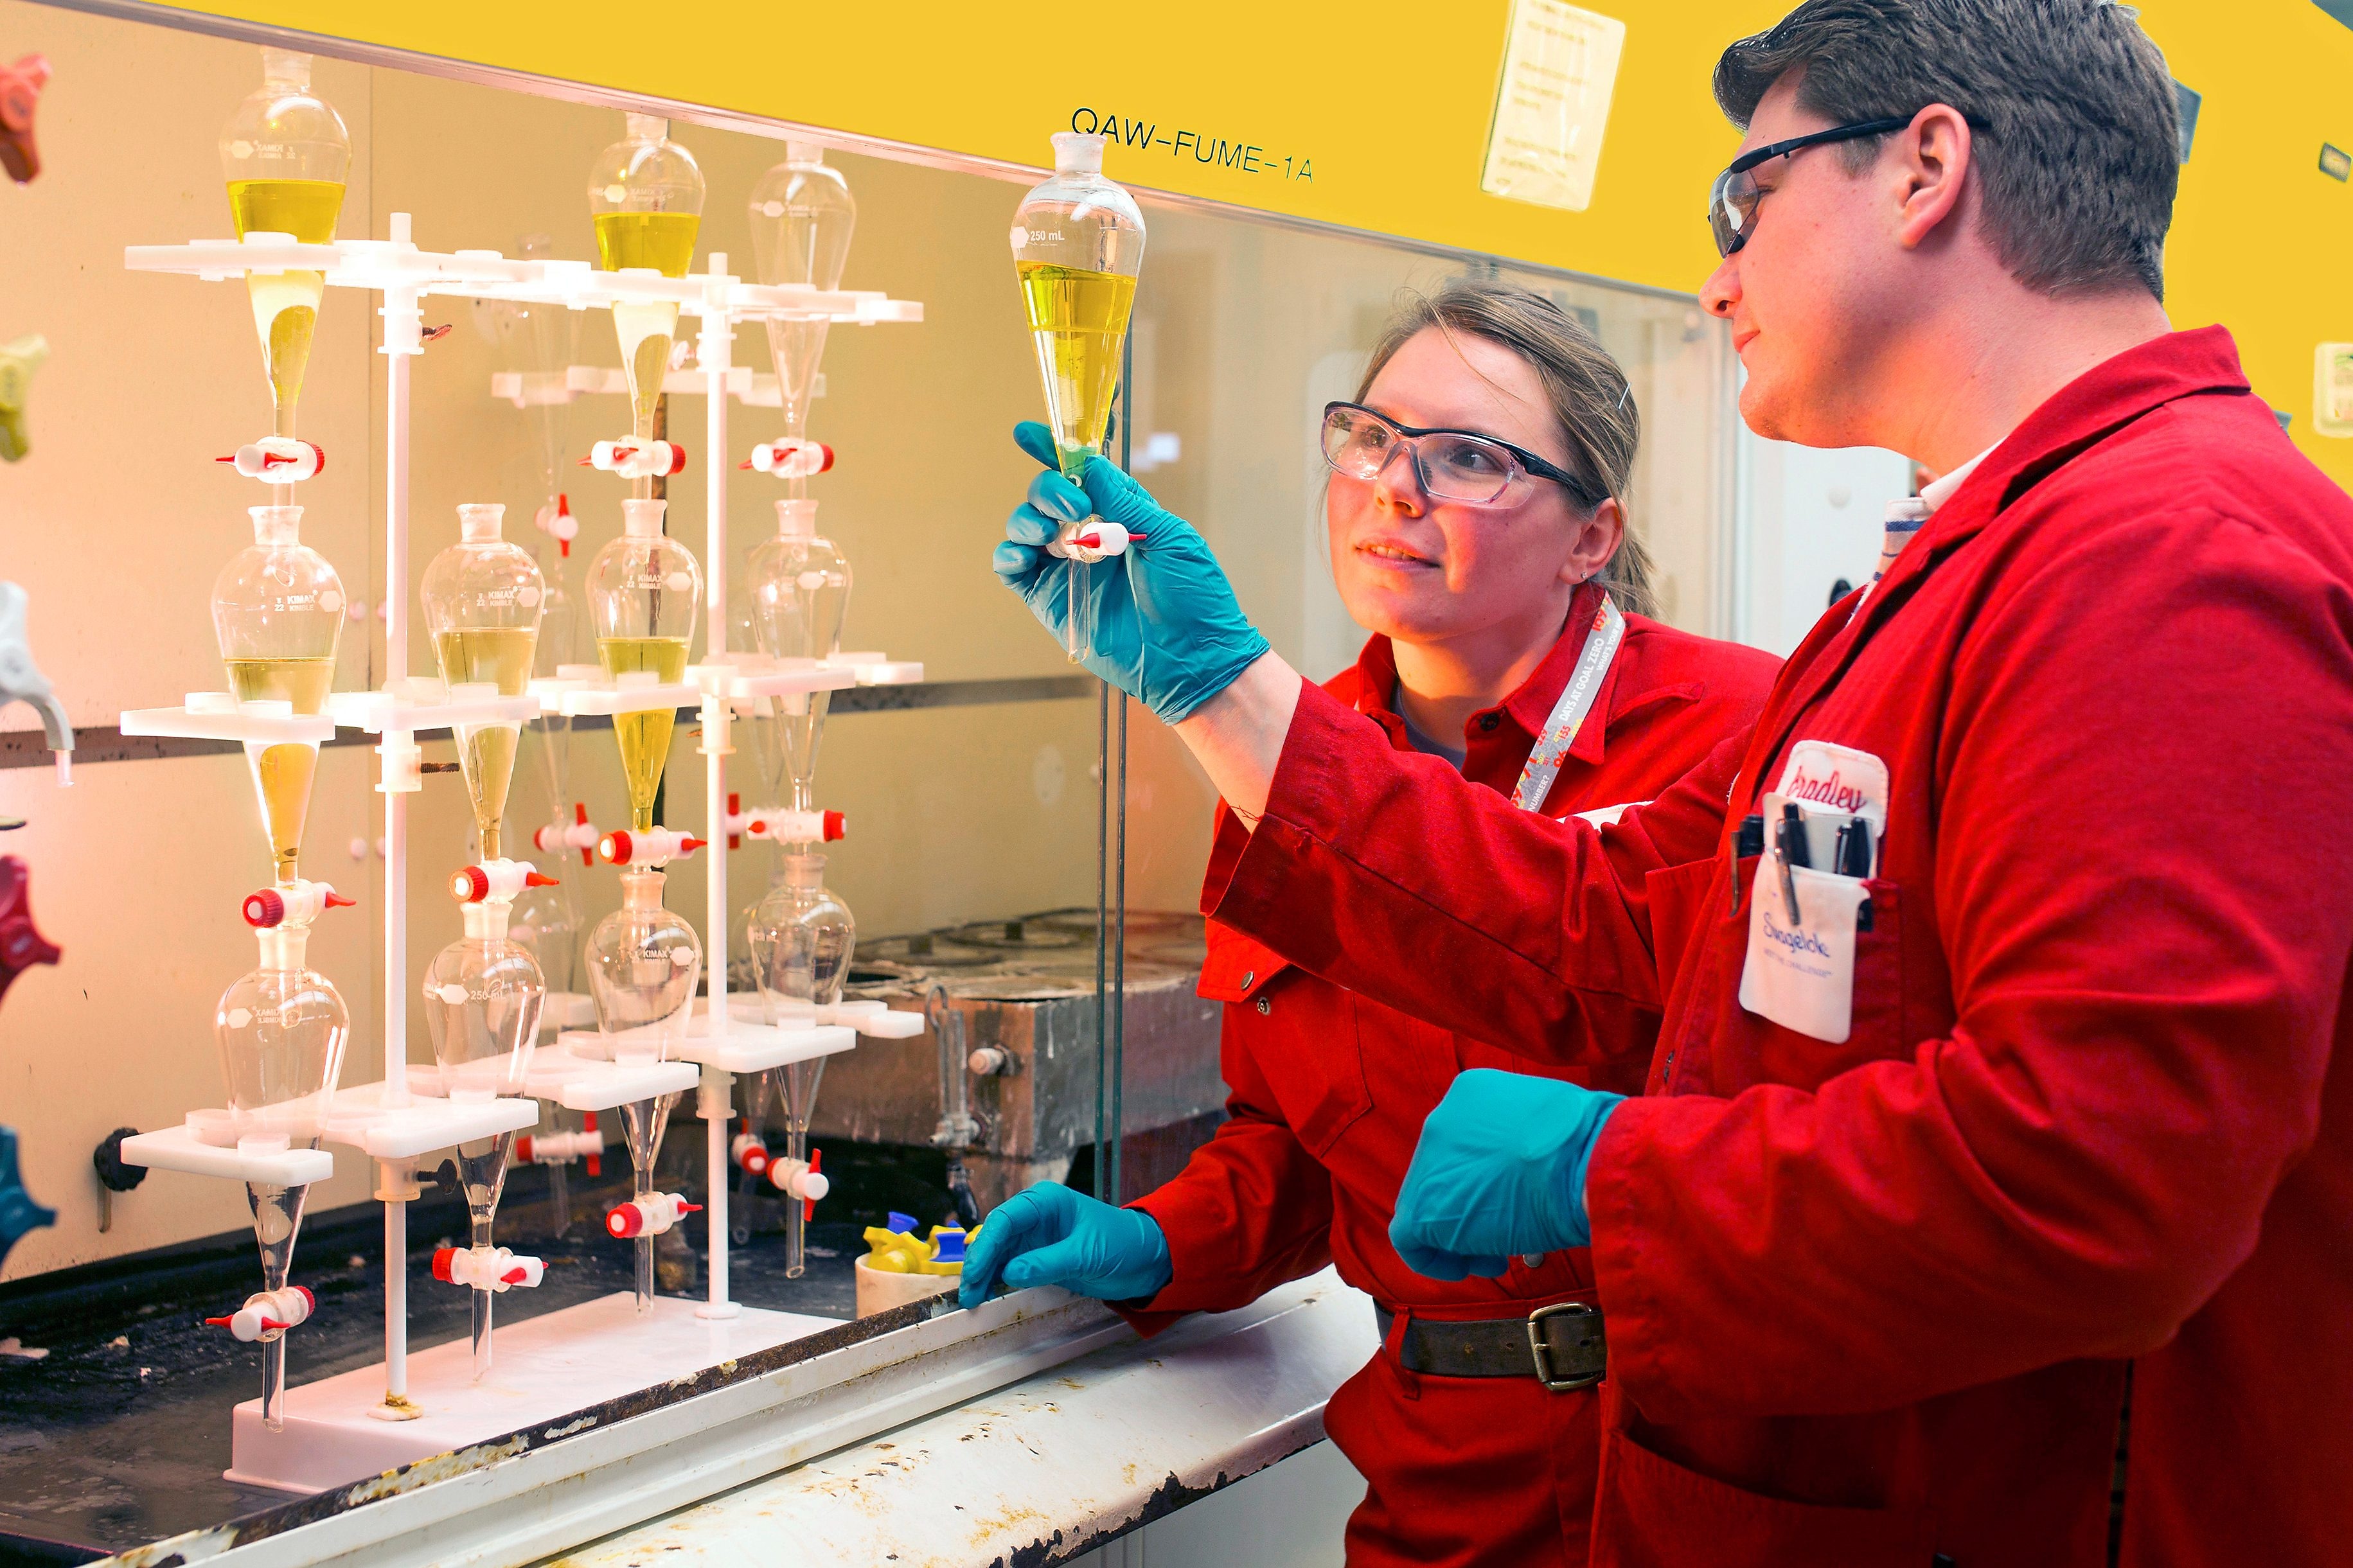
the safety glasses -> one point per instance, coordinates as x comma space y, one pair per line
1732, 201
1451, 465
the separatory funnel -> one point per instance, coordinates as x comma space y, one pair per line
1078, 243
278, 612
645, 590
285, 154
643, 965
802, 216
802, 938
799, 592
281, 1030
646, 194
483, 598
482, 997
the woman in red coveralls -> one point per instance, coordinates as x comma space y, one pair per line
1481, 563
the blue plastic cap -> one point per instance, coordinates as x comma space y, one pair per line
948, 1244
905, 1224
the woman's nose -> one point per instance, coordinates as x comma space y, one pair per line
1398, 485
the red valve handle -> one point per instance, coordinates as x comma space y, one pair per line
808, 1205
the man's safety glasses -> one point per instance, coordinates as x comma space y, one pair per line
1732, 201
1451, 465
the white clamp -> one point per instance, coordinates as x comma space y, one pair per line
563, 1148
794, 458
655, 847
800, 1178
295, 903
750, 1153
492, 1269
279, 459
268, 1314
785, 827
648, 1215
1091, 539
635, 459
577, 834
558, 523
496, 880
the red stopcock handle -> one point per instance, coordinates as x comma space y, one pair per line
22, 945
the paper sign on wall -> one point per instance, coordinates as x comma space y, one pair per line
1560, 67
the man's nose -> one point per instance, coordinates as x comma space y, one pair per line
1721, 292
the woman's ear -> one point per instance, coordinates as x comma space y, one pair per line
1597, 536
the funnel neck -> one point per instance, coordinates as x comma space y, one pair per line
647, 127
642, 889
796, 520
284, 947
642, 518
485, 921
804, 155
481, 523
276, 525
286, 69
804, 871
1077, 153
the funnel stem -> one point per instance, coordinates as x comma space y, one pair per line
482, 1333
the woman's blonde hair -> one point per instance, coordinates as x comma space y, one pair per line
1600, 425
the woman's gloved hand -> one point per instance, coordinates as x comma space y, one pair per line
1053, 1235
1167, 628
1498, 1173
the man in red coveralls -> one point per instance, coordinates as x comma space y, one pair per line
2003, 964
1496, 648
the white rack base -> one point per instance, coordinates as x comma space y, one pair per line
360, 1119
544, 1368
180, 1149
560, 1072
186, 723
875, 1020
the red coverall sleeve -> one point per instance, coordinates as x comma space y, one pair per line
1387, 873
1251, 1209
2142, 875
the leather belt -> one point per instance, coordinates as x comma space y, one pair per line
1562, 1346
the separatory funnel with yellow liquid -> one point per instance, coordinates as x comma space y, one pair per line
281, 1030
484, 597
645, 590
285, 154
278, 613
802, 217
1078, 243
645, 194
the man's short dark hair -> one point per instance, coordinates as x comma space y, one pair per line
2074, 116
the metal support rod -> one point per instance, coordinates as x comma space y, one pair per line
717, 1105
712, 354
1115, 789
1105, 1130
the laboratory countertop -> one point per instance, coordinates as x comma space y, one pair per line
1049, 1467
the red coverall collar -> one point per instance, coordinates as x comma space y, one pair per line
1527, 710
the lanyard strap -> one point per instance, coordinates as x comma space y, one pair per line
1568, 713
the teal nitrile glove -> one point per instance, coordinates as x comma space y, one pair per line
1499, 1173
1168, 630
1053, 1235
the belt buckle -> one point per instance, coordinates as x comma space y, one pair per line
1542, 1353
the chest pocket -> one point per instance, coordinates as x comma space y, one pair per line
1302, 1035
1879, 1027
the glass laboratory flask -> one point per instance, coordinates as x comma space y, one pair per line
1078, 243
645, 590
482, 996
483, 596
645, 194
802, 937
278, 613
800, 592
802, 219
546, 924
285, 154
643, 963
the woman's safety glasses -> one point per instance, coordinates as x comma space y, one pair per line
1451, 465
1732, 202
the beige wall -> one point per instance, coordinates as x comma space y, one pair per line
119, 520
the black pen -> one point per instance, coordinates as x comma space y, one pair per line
1854, 849
1793, 853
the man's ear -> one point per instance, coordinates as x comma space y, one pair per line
1934, 160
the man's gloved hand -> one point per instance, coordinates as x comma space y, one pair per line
1499, 1173
1053, 1235
1168, 630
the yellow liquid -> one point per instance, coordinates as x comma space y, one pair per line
501, 655
282, 773
1078, 320
286, 304
665, 242
644, 737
